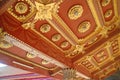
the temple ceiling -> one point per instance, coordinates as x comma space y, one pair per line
84, 35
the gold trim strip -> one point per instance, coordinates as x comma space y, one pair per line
47, 40
65, 26
60, 31
93, 10
115, 7
101, 46
24, 60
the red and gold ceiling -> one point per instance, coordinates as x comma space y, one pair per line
84, 35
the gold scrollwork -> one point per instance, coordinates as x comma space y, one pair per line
75, 12
84, 26
105, 2
45, 28
56, 37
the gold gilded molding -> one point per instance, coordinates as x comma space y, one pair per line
108, 13
75, 12
34, 30
45, 28
84, 26
94, 13
100, 47
115, 17
24, 60
59, 20
105, 2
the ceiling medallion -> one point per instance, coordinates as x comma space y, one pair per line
108, 13
84, 26
31, 55
45, 62
56, 37
45, 28
21, 7
105, 2
22, 10
75, 12
64, 44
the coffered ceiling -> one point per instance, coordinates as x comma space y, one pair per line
79, 34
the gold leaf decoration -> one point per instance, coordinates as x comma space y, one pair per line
75, 12
108, 13
64, 44
105, 2
84, 26
45, 28
21, 7
56, 37
31, 55
45, 62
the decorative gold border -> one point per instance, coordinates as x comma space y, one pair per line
49, 40
115, 17
101, 46
24, 60
32, 12
90, 55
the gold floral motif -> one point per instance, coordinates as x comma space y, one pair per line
79, 49
3, 43
45, 62
105, 2
84, 26
45, 11
56, 37
31, 55
75, 12
108, 13
22, 10
64, 44
45, 28
21, 7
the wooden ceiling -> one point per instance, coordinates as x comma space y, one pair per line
80, 34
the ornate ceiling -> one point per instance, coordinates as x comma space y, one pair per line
55, 34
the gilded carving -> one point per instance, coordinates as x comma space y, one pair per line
21, 7
56, 37
108, 13
44, 62
45, 11
105, 2
64, 44
22, 10
31, 55
75, 12
3, 43
45, 28
84, 26
78, 49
